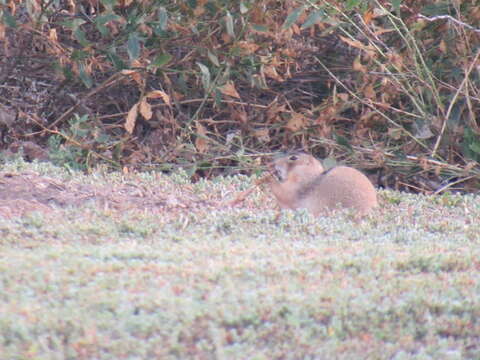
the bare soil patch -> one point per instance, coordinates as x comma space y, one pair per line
28, 191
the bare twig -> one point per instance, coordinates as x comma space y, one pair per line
450, 18
449, 185
370, 104
110, 81
73, 141
452, 103
241, 196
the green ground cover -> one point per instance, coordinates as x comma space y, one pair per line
205, 281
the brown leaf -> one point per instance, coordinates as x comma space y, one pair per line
262, 135
355, 43
273, 111
357, 65
128, 72
52, 35
396, 59
145, 109
443, 46
201, 142
296, 122
155, 94
239, 114
369, 49
247, 47
131, 119
134, 74
271, 72
368, 16
229, 89
369, 92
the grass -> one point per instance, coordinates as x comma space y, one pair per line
202, 281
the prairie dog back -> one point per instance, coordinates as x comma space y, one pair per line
303, 183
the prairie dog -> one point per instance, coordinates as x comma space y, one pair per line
303, 183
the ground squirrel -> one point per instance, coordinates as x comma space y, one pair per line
303, 183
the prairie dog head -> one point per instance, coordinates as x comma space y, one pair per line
296, 166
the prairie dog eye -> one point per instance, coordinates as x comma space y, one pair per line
293, 158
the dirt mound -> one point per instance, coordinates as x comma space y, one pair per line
24, 192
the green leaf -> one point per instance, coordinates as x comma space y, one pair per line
292, 17
205, 76
243, 8
116, 60
162, 59
133, 46
86, 79
79, 34
8, 19
109, 3
435, 9
329, 163
396, 6
79, 55
342, 141
475, 147
213, 58
162, 19
75, 23
351, 4
313, 18
229, 23
261, 28
101, 20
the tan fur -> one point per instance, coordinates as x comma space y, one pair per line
303, 183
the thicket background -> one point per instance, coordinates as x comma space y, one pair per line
390, 87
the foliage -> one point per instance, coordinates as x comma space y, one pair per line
388, 86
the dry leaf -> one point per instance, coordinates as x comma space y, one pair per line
52, 35
229, 89
262, 135
239, 114
296, 122
131, 119
134, 74
145, 109
369, 92
247, 47
199, 10
367, 17
155, 94
443, 46
201, 142
355, 43
274, 110
357, 65
370, 51
271, 72
396, 59
226, 38
128, 72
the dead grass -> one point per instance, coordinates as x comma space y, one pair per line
150, 266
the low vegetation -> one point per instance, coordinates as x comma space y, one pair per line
182, 275
387, 86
